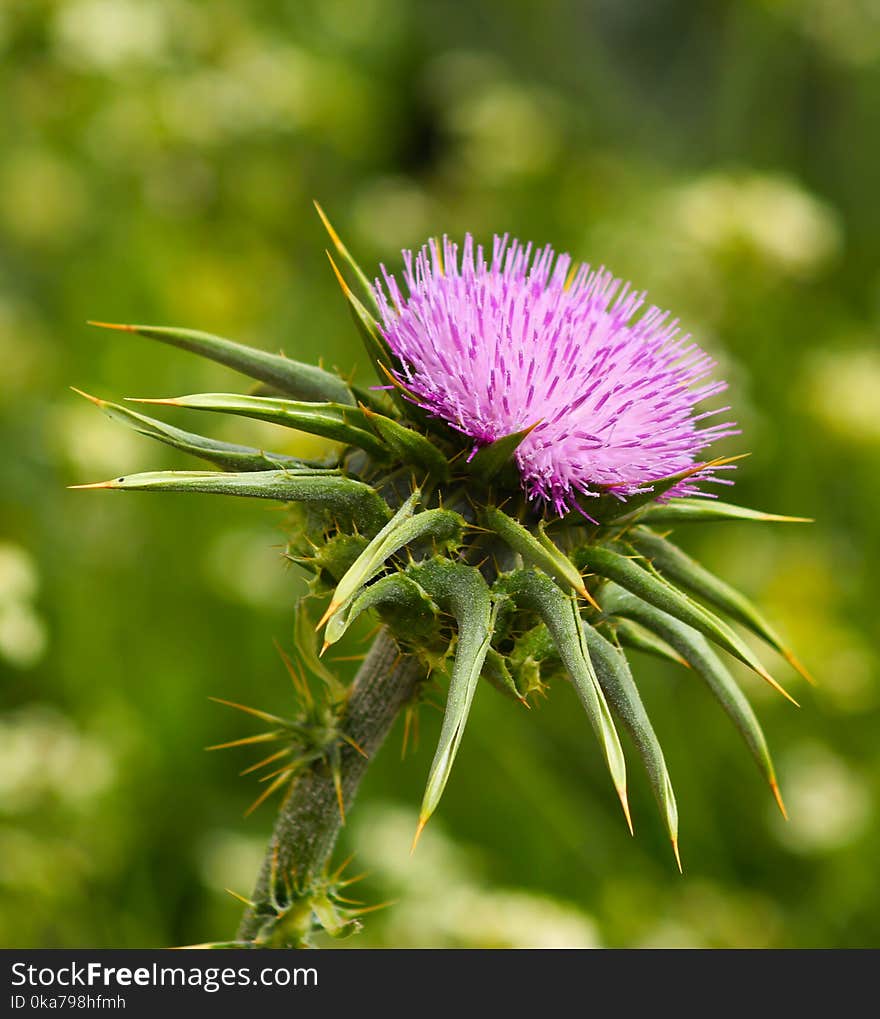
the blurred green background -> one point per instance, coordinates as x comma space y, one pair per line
157, 164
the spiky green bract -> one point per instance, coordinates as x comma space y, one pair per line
537, 593
227, 455
695, 649
352, 500
652, 589
409, 523
295, 379
463, 593
619, 686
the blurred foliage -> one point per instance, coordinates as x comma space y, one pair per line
157, 163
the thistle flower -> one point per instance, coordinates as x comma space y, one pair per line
520, 385
529, 340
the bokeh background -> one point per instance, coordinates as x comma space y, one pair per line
157, 164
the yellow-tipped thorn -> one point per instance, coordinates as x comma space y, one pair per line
340, 279
324, 647
96, 484
113, 325
677, 854
327, 226
585, 594
798, 667
625, 804
241, 898
776, 686
92, 399
331, 608
777, 795
422, 822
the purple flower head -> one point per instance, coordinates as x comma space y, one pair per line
530, 339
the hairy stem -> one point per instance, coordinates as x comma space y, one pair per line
308, 823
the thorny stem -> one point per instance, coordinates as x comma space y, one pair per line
308, 823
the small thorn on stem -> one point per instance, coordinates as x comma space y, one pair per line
96, 484
625, 804
324, 647
331, 608
776, 686
798, 667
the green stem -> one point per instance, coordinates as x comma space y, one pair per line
308, 823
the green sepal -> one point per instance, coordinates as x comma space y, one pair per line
330, 420
617, 681
490, 460
694, 648
538, 551
497, 674
410, 446
305, 617
686, 511
293, 378
439, 526
404, 606
461, 591
637, 638
335, 556
640, 580
339, 495
536, 592
532, 652
609, 507
227, 455
681, 568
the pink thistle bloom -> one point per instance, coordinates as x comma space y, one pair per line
530, 339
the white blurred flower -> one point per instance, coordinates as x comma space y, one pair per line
829, 804
842, 389
770, 216
109, 34
228, 859
43, 753
445, 903
23, 634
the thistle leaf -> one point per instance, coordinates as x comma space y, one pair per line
224, 454
675, 564
536, 592
539, 552
409, 445
461, 591
619, 686
650, 587
686, 511
694, 648
339, 495
331, 420
491, 459
293, 378
633, 636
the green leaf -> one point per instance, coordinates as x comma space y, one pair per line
339, 495
301, 381
633, 636
538, 551
331, 420
650, 587
223, 454
461, 591
410, 446
377, 348
681, 568
687, 511
619, 686
536, 592
694, 648
441, 526
492, 459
